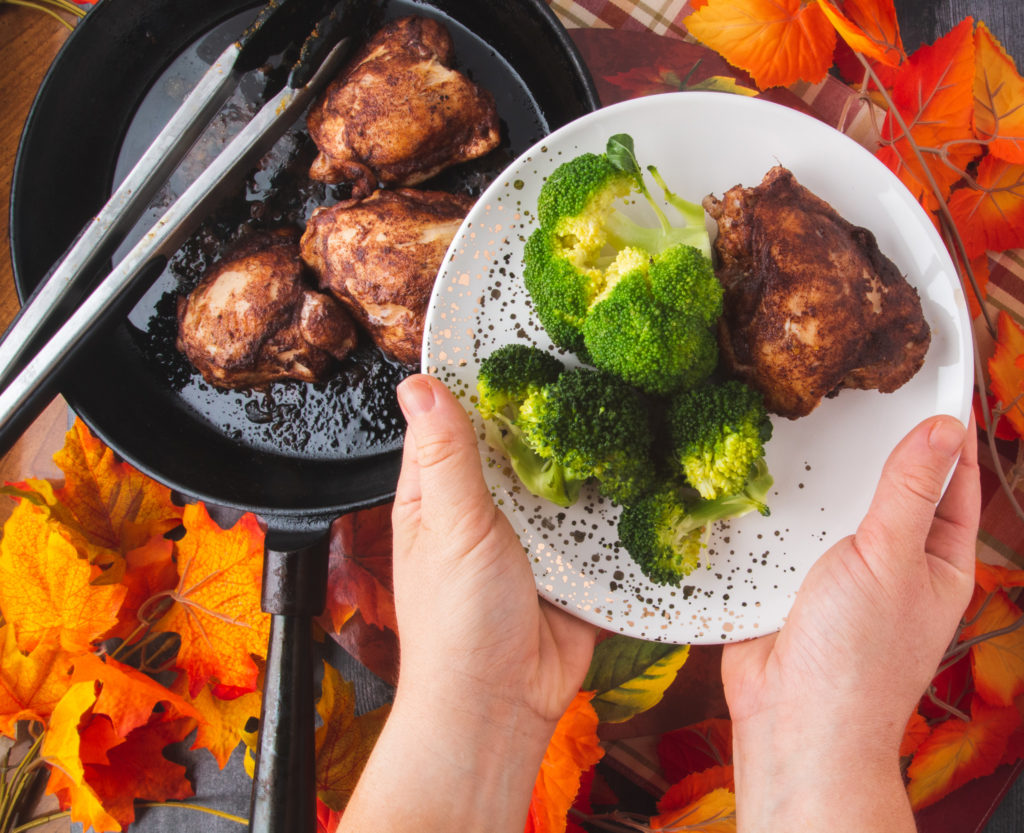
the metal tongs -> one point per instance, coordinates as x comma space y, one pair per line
37, 344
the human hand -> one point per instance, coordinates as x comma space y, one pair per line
819, 708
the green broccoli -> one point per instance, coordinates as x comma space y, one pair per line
588, 260
666, 531
506, 379
718, 433
596, 426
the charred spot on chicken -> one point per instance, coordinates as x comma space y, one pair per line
811, 305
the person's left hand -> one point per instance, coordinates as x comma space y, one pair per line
471, 626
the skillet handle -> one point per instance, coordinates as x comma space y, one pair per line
284, 783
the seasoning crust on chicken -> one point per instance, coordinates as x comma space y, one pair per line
811, 305
399, 113
252, 320
380, 257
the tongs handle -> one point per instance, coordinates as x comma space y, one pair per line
29, 380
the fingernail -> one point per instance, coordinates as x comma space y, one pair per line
947, 437
415, 395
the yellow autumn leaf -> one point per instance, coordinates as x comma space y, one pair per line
631, 675
714, 812
998, 98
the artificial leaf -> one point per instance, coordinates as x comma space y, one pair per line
989, 577
118, 506
127, 696
957, 751
359, 571
631, 675
869, 27
343, 741
61, 747
640, 81
687, 790
149, 576
47, 589
217, 601
696, 747
1005, 371
914, 734
998, 97
81, 801
997, 662
714, 812
31, 684
933, 94
990, 215
778, 42
139, 769
222, 722
573, 749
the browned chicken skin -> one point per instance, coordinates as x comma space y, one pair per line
399, 114
811, 305
380, 257
252, 320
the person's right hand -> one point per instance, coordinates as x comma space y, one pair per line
819, 708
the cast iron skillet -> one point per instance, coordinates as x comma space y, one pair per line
296, 455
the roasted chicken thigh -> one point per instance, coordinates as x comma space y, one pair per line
252, 320
811, 304
399, 113
380, 257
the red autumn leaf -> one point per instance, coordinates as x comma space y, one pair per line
990, 214
778, 42
915, 733
119, 507
640, 81
999, 98
217, 601
1003, 429
573, 749
47, 589
1006, 373
31, 684
990, 577
958, 751
998, 661
343, 741
359, 576
714, 812
933, 94
695, 748
686, 791
149, 573
868, 26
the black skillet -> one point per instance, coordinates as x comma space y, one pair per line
296, 455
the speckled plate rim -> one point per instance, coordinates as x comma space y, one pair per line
825, 465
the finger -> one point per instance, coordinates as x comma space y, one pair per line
904, 505
407, 493
449, 482
954, 534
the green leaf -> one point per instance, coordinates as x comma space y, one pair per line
631, 675
620, 153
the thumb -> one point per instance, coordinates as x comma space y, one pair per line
903, 508
441, 478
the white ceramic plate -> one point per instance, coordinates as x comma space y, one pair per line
825, 465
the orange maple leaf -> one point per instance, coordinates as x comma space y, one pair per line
31, 684
1005, 370
713, 812
869, 27
695, 785
573, 748
778, 42
990, 215
997, 663
998, 97
933, 94
149, 574
957, 751
359, 570
48, 589
915, 733
989, 577
222, 722
695, 748
217, 601
119, 507
343, 741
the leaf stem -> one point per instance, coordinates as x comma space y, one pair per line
42, 7
199, 808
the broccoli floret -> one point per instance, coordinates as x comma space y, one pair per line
594, 425
586, 248
666, 531
646, 343
507, 378
718, 433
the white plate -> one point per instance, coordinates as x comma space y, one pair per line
825, 465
